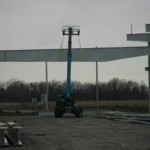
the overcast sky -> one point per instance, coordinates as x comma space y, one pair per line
31, 24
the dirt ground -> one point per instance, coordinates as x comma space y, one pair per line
87, 133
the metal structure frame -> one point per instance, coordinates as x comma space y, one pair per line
143, 37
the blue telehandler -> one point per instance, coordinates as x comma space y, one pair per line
65, 103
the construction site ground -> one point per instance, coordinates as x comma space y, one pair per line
87, 133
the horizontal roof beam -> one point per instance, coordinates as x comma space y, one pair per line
141, 37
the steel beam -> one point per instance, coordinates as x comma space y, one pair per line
148, 69
97, 94
142, 37
89, 54
149, 76
149, 81
46, 91
3, 140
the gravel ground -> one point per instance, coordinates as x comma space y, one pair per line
87, 133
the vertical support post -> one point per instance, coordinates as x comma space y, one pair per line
46, 92
97, 98
131, 28
149, 77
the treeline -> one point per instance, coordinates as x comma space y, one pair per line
115, 89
